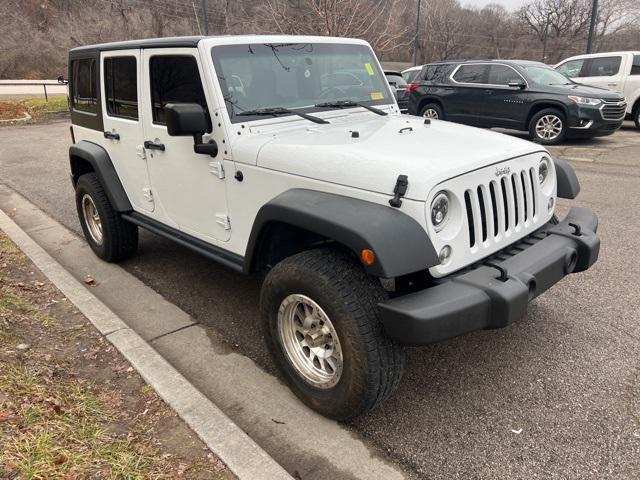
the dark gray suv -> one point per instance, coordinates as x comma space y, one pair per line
515, 94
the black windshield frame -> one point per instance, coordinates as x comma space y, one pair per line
217, 52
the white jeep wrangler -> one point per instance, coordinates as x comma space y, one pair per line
288, 156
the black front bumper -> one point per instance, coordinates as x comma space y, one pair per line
495, 296
589, 122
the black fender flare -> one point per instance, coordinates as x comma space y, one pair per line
567, 180
101, 164
400, 244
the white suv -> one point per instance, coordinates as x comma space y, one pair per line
618, 71
288, 157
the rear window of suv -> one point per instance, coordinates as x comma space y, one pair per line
603, 66
635, 68
471, 74
436, 73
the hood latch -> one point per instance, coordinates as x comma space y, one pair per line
399, 191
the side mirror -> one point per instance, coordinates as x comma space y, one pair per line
518, 84
61, 80
190, 119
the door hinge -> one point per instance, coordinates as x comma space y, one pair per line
141, 152
223, 220
147, 194
217, 168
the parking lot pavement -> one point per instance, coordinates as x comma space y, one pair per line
555, 395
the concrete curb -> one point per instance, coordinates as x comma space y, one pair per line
234, 447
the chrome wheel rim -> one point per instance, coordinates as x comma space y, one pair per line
431, 113
92, 219
549, 127
310, 341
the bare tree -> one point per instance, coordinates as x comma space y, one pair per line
373, 20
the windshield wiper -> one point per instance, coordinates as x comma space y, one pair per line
347, 104
275, 111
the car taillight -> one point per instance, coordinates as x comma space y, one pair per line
411, 87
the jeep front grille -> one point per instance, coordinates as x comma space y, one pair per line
500, 207
613, 110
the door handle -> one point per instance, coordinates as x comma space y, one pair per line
488, 91
612, 84
112, 135
149, 145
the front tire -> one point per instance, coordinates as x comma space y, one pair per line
323, 329
548, 127
636, 115
109, 236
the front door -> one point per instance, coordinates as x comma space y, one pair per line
505, 106
188, 188
123, 132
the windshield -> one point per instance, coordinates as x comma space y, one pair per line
546, 76
297, 76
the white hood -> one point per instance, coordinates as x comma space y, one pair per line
384, 148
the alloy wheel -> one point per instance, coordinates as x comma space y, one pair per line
431, 113
549, 127
92, 219
310, 341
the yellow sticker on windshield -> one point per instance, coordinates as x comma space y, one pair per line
376, 96
369, 68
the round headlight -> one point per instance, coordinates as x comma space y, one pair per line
439, 211
543, 169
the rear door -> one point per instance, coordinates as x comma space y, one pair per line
603, 72
122, 120
465, 96
505, 106
188, 187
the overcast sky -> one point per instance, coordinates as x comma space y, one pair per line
508, 4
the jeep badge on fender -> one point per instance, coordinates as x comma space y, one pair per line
246, 153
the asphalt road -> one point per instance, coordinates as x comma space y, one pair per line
555, 395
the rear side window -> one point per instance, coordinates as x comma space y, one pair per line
410, 75
603, 66
435, 73
396, 79
572, 68
503, 75
174, 79
471, 74
84, 97
121, 87
635, 68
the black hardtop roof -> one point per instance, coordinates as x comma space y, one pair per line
167, 42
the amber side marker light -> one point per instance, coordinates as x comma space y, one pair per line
367, 256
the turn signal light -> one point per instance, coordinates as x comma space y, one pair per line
367, 256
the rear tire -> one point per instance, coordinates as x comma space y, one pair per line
432, 111
367, 365
109, 236
548, 127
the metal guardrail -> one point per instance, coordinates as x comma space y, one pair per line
32, 83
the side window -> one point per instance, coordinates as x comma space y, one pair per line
471, 74
84, 97
121, 87
604, 66
411, 75
436, 73
635, 68
502, 75
571, 68
176, 79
